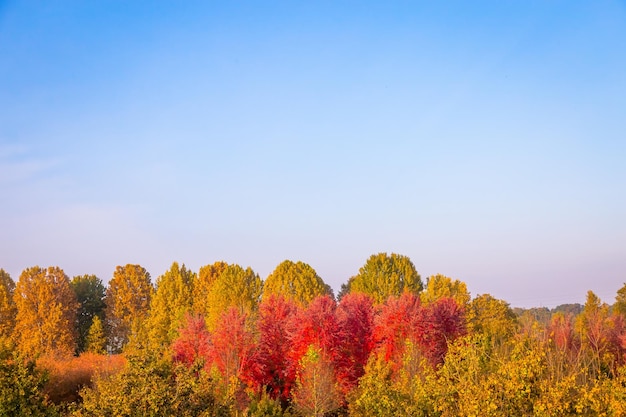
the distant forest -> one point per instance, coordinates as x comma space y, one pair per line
224, 342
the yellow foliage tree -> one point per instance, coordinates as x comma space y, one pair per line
385, 275
46, 312
171, 300
491, 317
234, 287
440, 286
127, 303
295, 281
207, 276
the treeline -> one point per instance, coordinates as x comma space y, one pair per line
223, 342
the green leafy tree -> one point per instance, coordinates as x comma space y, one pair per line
385, 275
8, 309
207, 276
439, 286
171, 301
235, 287
90, 296
46, 312
127, 303
295, 281
95, 342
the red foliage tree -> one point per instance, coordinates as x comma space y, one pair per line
561, 331
193, 341
355, 317
395, 323
270, 364
439, 323
232, 345
315, 327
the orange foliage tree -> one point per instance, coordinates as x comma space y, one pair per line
46, 312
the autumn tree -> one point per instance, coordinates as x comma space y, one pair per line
355, 318
439, 323
127, 303
386, 275
90, 296
316, 392
95, 341
295, 281
231, 353
207, 276
234, 287
395, 324
271, 367
620, 301
491, 317
7, 305
21, 387
193, 342
440, 286
46, 312
171, 301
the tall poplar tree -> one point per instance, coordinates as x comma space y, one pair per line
207, 276
46, 312
172, 299
385, 275
7, 305
235, 287
127, 303
296, 281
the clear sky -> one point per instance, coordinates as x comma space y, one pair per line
484, 140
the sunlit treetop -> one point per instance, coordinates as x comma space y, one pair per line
385, 275
295, 281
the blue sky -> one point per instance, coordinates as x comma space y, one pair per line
484, 140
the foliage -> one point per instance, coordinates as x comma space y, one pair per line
46, 312
355, 318
295, 281
386, 275
171, 301
193, 343
21, 387
492, 318
127, 304
90, 297
67, 375
271, 369
95, 341
377, 394
440, 286
8, 310
150, 387
207, 276
234, 287
316, 391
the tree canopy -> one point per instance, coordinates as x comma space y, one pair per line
127, 303
171, 301
234, 287
386, 275
46, 312
295, 281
